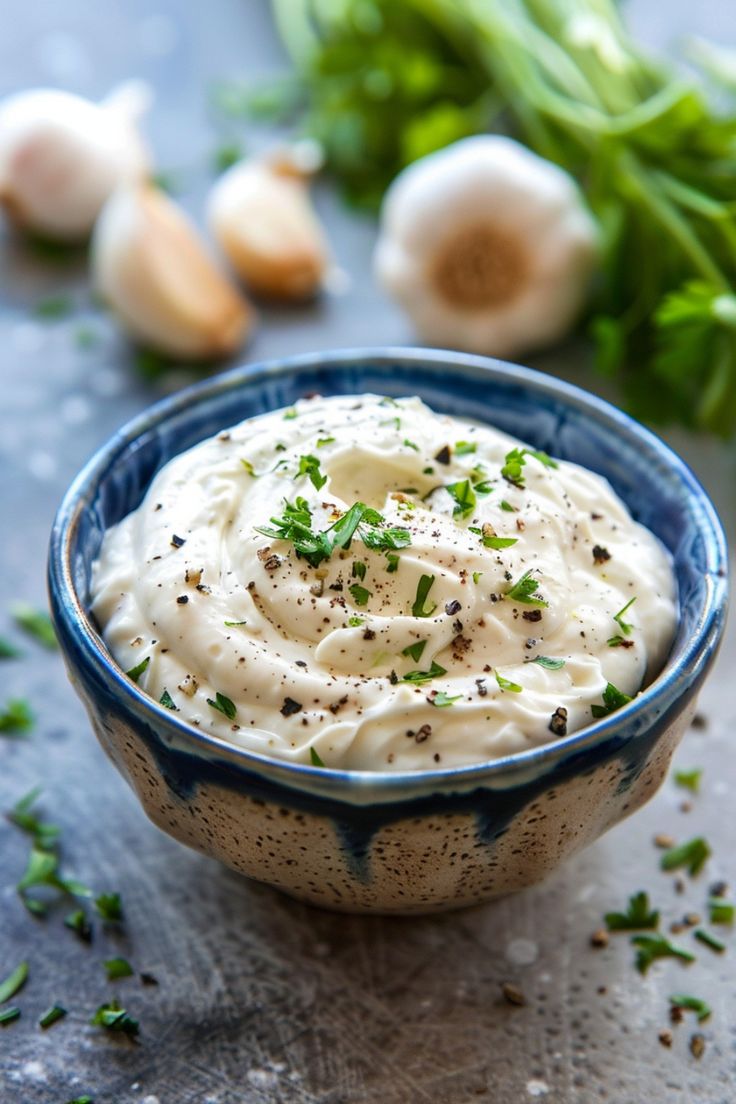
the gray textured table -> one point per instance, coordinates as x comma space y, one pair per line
261, 999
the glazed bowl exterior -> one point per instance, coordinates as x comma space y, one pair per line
413, 841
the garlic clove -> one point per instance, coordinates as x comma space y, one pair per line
62, 155
149, 264
487, 247
261, 216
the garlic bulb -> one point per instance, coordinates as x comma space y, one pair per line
61, 156
487, 246
149, 264
261, 216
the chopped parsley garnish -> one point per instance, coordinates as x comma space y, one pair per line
638, 915
117, 968
508, 507
435, 671
135, 672
360, 594
359, 570
113, 1017
651, 947
167, 701
464, 496
523, 590
506, 684
322, 441
618, 641
354, 622
109, 907
36, 623
309, 466
512, 470
295, 525
248, 467
290, 414
414, 651
315, 758
8, 650
8, 1015
689, 780
392, 421
420, 607
81, 1100
233, 624
498, 542
442, 700
477, 576
613, 699
618, 618
51, 1015
14, 982
54, 307
691, 1004
77, 922
226, 155
42, 870
709, 940
223, 705
392, 562
721, 911
44, 834
410, 444
692, 854
549, 662
463, 448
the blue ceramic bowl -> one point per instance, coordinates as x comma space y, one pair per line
414, 841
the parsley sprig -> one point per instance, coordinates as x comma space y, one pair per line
637, 917
295, 526
693, 854
652, 947
524, 591
613, 699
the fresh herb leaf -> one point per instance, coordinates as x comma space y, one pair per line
508, 507
693, 854
113, 1017
464, 496
226, 155
420, 607
77, 922
498, 542
709, 940
14, 982
322, 441
295, 525
117, 968
414, 651
290, 414
234, 624
135, 672
721, 911
16, 717
618, 618
22, 817
167, 701
638, 915
410, 444
392, 562
36, 623
360, 594
54, 307
613, 699
512, 470
689, 780
548, 662
692, 1004
523, 590
354, 622
391, 537
223, 705
617, 641
8, 650
477, 576
464, 448
315, 758
248, 467
442, 700
506, 684
309, 466
8, 1015
435, 671
109, 907
359, 570
651, 947
81, 1100
51, 1015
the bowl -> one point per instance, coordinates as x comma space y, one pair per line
406, 842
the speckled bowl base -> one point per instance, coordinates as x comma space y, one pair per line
414, 865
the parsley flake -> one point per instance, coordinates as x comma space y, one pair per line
442, 700
506, 684
109, 907
14, 982
618, 618
8, 1015
548, 662
290, 414
167, 701
16, 717
651, 947
117, 968
464, 496
508, 507
392, 562
689, 780
359, 570
523, 590
709, 940
315, 758
464, 448
113, 1017
8, 650
692, 854
638, 915
410, 444
360, 594
420, 607
414, 651
223, 705
354, 622
52, 1015
309, 466
613, 699
35, 623
721, 912
435, 671
691, 1004
22, 817
135, 672
77, 922
322, 441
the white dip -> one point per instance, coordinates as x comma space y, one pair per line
341, 655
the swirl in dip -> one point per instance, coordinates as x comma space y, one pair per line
362, 583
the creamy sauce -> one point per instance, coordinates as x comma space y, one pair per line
457, 626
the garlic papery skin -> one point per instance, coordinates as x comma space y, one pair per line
487, 247
262, 218
62, 155
151, 267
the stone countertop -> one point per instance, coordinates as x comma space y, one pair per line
260, 998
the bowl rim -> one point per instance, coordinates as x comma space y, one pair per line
659, 695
